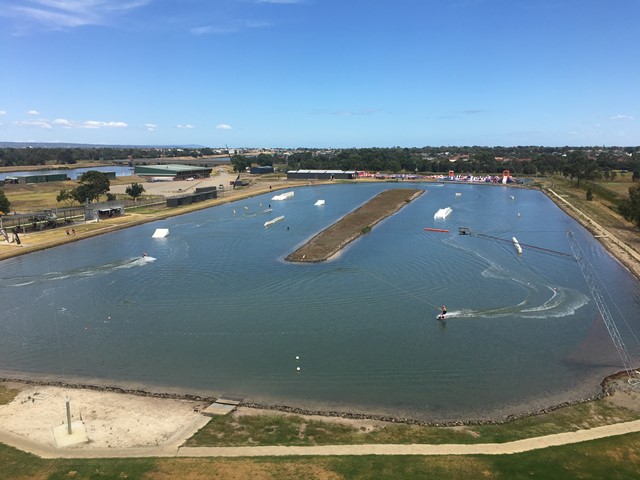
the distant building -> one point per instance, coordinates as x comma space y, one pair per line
96, 211
200, 195
177, 172
54, 177
261, 170
322, 174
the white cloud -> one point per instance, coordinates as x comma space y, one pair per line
186, 126
62, 14
33, 112
3, 112
34, 123
64, 123
61, 122
224, 126
231, 27
151, 127
213, 30
621, 117
94, 124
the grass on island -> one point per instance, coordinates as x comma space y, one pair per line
275, 429
611, 458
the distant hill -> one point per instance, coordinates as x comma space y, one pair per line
85, 145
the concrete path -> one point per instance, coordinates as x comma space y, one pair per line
172, 448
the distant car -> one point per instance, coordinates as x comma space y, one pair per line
190, 179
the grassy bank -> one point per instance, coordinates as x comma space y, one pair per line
279, 429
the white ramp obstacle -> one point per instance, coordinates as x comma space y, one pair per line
283, 196
442, 213
160, 233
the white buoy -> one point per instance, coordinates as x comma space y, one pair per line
298, 369
297, 357
517, 245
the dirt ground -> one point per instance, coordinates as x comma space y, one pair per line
112, 420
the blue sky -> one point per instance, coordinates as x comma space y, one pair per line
321, 73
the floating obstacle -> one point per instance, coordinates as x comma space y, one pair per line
517, 245
271, 222
441, 230
442, 213
283, 196
160, 233
319, 202
458, 194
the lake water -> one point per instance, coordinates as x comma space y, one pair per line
72, 173
215, 309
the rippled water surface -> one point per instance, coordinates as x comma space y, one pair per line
214, 308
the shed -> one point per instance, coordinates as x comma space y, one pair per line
179, 172
261, 170
322, 174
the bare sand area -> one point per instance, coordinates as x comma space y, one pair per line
111, 420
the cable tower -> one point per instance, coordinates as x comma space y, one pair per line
592, 282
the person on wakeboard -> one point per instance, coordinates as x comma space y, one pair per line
443, 313
144, 254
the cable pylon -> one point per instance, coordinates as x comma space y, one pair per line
592, 281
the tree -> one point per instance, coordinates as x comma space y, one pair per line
5, 204
65, 196
630, 207
265, 160
581, 167
92, 185
134, 190
240, 163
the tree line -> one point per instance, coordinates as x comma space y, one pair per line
15, 157
580, 163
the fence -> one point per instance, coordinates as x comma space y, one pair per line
56, 217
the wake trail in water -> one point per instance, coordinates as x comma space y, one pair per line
561, 301
78, 272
